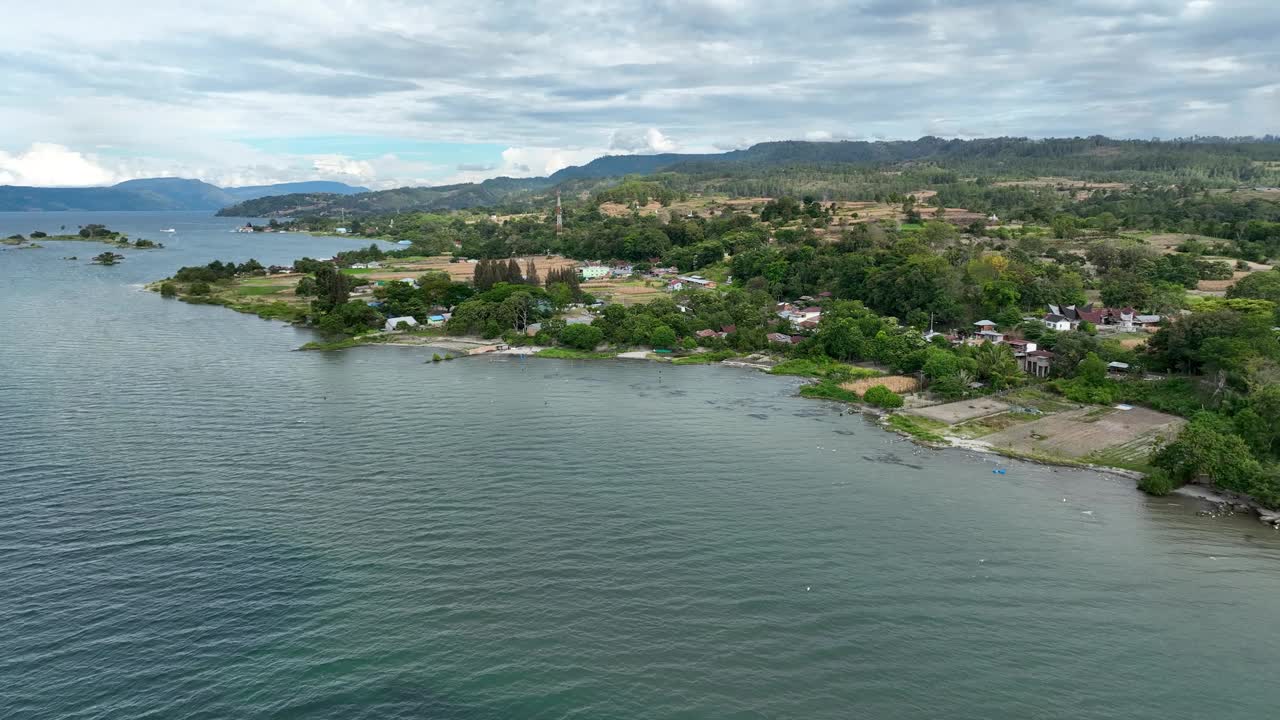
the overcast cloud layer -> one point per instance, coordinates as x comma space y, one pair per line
386, 93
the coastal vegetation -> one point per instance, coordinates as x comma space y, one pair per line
87, 233
873, 277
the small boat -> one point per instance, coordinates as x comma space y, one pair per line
169, 230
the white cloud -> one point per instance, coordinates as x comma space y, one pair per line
45, 164
642, 140
1202, 105
330, 165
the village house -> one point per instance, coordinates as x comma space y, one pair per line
393, 323
675, 285
1104, 319
779, 338
986, 333
698, 281
1057, 322
1020, 347
1036, 363
798, 316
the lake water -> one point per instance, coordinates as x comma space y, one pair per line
198, 522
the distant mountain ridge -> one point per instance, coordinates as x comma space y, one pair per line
155, 194
771, 168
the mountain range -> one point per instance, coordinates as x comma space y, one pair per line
156, 194
834, 170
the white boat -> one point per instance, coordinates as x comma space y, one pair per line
169, 230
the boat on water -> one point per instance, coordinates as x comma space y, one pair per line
168, 230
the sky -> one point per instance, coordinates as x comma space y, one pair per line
386, 93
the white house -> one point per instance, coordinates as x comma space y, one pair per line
394, 322
1053, 321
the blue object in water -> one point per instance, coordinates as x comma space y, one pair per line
999, 471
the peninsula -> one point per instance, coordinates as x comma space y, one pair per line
1061, 304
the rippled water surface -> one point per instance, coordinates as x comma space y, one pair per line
198, 522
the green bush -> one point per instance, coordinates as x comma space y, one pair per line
168, 290
1157, 483
582, 337
199, 288
881, 396
828, 390
1081, 391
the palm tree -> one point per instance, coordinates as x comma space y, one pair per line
997, 365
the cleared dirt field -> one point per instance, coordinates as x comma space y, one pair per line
898, 383
1078, 189
627, 292
958, 412
1219, 287
458, 271
1099, 434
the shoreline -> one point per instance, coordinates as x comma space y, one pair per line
1222, 502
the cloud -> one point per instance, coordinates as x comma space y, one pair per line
642, 140
45, 164
183, 87
330, 165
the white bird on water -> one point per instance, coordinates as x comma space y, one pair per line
806, 588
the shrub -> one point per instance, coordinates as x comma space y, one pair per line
663, 337
583, 337
436, 357
1079, 390
199, 288
881, 396
168, 290
1157, 483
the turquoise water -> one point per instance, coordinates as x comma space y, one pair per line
198, 522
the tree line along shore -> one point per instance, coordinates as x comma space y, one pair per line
1145, 313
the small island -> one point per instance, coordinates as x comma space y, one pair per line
88, 233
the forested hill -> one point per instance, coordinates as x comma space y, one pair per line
153, 194
491, 192
846, 170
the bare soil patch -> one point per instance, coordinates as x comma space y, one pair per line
962, 410
458, 271
1098, 433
